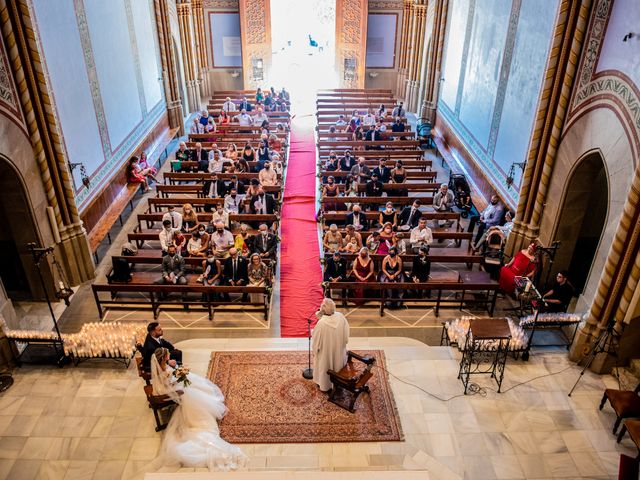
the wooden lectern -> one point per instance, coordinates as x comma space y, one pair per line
351, 381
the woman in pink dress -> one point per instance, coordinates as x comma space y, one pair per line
523, 264
388, 239
146, 169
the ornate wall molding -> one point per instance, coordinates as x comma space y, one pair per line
386, 5
9, 103
224, 4
351, 41
255, 28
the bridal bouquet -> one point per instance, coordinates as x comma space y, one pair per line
182, 375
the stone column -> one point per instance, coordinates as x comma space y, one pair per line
411, 46
189, 56
169, 70
417, 56
433, 62
26, 67
201, 48
405, 39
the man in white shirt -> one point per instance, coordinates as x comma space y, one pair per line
244, 119
174, 218
420, 236
221, 241
216, 162
268, 176
443, 202
369, 119
341, 122
233, 201
260, 117
167, 236
229, 106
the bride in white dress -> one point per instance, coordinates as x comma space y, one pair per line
192, 438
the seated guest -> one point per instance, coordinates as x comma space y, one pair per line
383, 172
134, 174
363, 271
243, 119
235, 272
523, 264
211, 126
388, 239
244, 241
351, 246
215, 163
258, 276
373, 242
245, 105
398, 111
347, 162
264, 155
351, 234
332, 164
167, 236
388, 215
221, 241
254, 186
335, 268
220, 215
382, 127
382, 112
420, 236
341, 122
332, 134
420, 270
392, 272
410, 216
248, 153
241, 166
213, 188
204, 236
237, 184
284, 95
357, 218
369, 119
175, 218
361, 171
558, 297
211, 271
262, 203
332, 241
398, 126
260, 117
147, 169
276, 164
398, 175
233, 202
259, 95
275, 144
443, 201
403, 243
330, 190
490, 217
268, 176
195, 246
503, 230
373, 135
374, 188
154, 340
200, 155
189, 218
229, 106
464, 199
182, 155
264, 243
196, 126
269, 102
173, 267
223, 118
232, 152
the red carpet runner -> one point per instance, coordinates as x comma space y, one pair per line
300, 269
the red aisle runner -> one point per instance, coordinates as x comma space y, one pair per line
300, 269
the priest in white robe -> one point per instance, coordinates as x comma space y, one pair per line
329, 342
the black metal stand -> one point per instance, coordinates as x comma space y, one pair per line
605, 343
308, 372
38, 253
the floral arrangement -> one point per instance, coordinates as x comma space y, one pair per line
548, 318
182, 375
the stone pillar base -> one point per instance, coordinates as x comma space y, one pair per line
174, 110
75, 256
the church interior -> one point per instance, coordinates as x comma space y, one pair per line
338, 239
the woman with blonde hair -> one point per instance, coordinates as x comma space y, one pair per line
189, 218
232, 152
258, 274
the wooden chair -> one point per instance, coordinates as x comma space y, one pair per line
158, 403
142, 372
351, 381
625, 403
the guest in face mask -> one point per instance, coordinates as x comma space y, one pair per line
389, 215
420, 270
392, 272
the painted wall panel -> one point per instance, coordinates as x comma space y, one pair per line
532, 43
144, 22
225, 32
115, 67
481, 77
457, 24
619, 55
69, 81
381, 40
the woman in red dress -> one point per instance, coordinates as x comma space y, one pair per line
523, 264
363, 271
134, 174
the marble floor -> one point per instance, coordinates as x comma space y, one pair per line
92, 421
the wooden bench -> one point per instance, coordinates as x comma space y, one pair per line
459, 284
411, 175
157, 204
410, 158
424, 199
196, 189
200, 177
326, 135
151, 218
443, 255
386, 187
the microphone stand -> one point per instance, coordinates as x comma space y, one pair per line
308, 372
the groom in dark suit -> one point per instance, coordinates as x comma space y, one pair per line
154, 341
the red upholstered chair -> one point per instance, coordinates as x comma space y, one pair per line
625, 403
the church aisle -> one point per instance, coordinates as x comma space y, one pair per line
300, 270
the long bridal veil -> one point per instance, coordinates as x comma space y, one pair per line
192, 438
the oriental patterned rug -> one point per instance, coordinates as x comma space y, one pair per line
270, 402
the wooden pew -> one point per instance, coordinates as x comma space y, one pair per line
408, 157
325, 136
196, 189
156, 204
473, 282
425, 199
409, 187
393, 144
188, 166
411, 174
151, 218
173, 177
